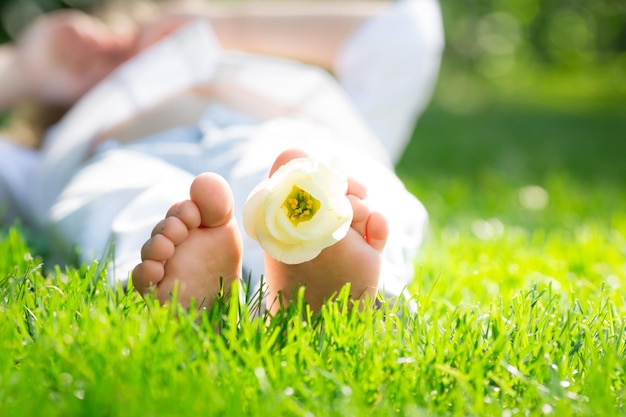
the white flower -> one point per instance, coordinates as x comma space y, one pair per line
300, 210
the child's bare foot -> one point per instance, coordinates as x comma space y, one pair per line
356, 259
196, 246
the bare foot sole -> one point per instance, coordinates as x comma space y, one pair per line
196, 247
356, 259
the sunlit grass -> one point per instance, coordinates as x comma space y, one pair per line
519, 193
78, 348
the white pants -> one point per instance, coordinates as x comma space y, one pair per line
119, 193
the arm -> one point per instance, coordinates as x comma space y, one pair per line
13, 86
309, 31
58, 58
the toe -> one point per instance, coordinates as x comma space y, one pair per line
147, 275
285, 157
356, 188
360, 214
377, 231
214, 199
172, 228
157, 248
187, 212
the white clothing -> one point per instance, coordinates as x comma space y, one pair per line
17, 166
121, 191
389, 68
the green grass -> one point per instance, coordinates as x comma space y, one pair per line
519, 293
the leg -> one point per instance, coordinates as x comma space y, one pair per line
308, 31
335, 266
404, 214
197, 246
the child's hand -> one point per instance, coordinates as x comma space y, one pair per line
63, 54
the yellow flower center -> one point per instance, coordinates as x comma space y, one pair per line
301, 206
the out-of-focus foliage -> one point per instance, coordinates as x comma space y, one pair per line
493, 35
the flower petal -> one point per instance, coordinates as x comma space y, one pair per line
302, 182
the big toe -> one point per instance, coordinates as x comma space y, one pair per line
214, 199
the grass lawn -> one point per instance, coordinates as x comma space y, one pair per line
519, 288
